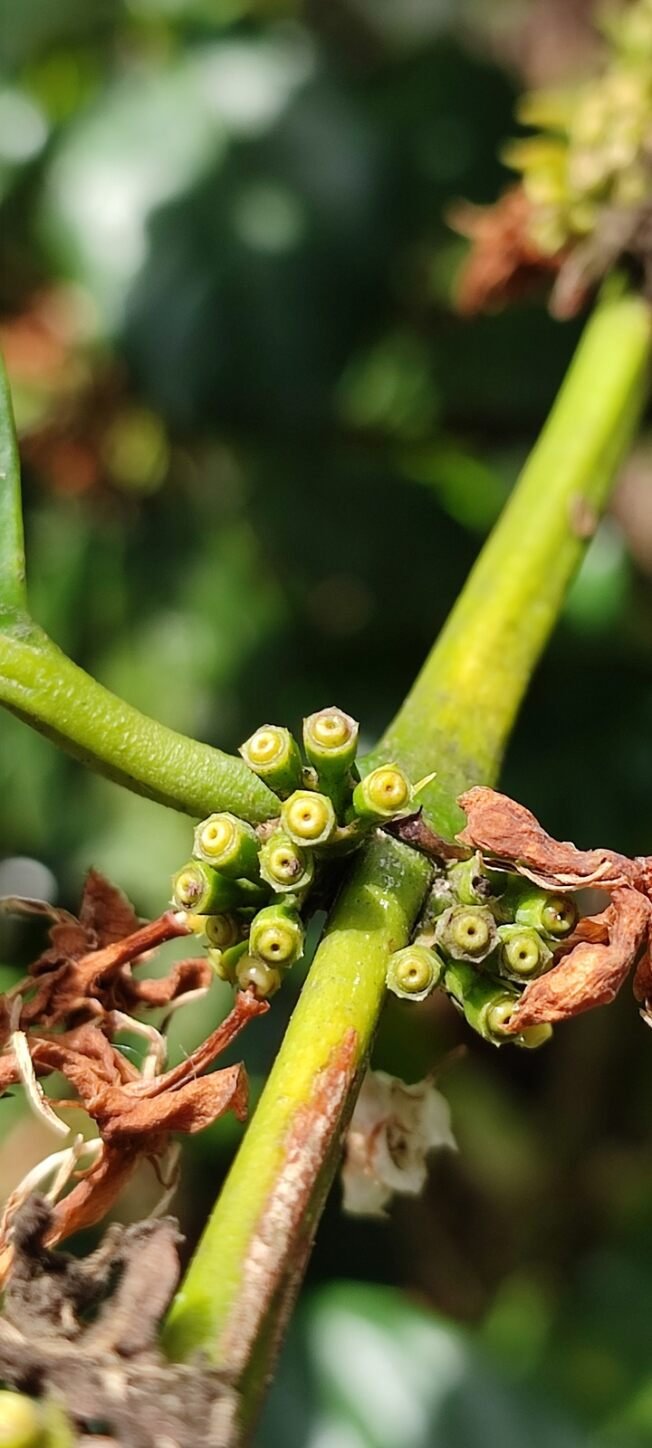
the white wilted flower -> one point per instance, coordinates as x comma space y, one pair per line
392, 1130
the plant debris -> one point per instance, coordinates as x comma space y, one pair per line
63, 1017
83, 1332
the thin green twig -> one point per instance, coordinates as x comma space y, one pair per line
46, 689
13, 593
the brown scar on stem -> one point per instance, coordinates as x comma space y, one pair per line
582, 517
415, 831
283, 1237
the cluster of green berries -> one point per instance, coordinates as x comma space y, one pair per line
245, 889
594, 147
484, 935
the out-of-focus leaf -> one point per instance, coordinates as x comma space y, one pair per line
382, 1373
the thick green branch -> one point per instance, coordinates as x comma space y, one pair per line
13, 596
457, 720
262, 1218
459, 713
43, 687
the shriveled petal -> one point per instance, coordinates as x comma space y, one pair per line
186, 975
643, 977
187, 1108
501, 827
105, 910
96, 1193
592, 974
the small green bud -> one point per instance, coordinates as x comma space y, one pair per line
229, 845
471, 881
308, 818
523, 952
222, 931
284, 865
199, 888
414, 972
273, 754
383, 794
264, 978
276, 935
330, 741
224, 962
21, 1423
467, 932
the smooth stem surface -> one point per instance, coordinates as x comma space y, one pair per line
246, 1270
459, 714
42, 686
13, 596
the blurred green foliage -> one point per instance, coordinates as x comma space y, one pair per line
261, 452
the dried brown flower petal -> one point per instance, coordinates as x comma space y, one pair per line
134, 1115
508, 831
505, 263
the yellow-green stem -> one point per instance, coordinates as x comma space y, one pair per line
13, 594
46, 689
458, 715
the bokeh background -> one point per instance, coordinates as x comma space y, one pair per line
261, 451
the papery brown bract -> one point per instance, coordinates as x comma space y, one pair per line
501, 827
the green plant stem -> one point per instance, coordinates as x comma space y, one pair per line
245, 1272
43, 687
13, 595
458, 716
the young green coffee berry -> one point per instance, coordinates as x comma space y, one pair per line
487, 1005
330, 741
471, 881
229, 844
414, 972
21, 1423
224, 962
277, 935
466, 932
555, 915
264, 978
222, 931
273, 754
523, 952
531, 1037
308, 818
199, 888
285, 866
383, 794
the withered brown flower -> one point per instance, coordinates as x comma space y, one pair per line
593, 963
79, 993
